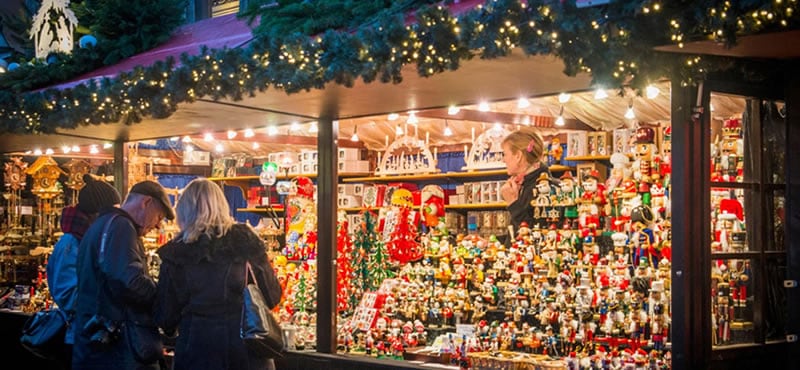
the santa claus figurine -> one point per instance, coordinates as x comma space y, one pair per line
592, 202
432, 197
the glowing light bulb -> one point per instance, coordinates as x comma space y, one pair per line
231, 134
483, 107
412, 119
76, 149
219, 148
564, 97
208, 137
629, 114
49, 151
393, 116
652, 92
453, 110
447, 130
314, 128
523, 103
249, 132
600, 94
272, 130
294, 126
66, 149
256, 145
186, 139
107, 145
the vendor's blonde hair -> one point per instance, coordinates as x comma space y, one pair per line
203, 210
528, 142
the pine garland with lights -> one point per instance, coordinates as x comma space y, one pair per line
614, 43
363, 246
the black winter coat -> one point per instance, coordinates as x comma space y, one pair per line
521, 209
200, 295
119, 288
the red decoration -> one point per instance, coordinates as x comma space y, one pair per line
402, 245
344, 247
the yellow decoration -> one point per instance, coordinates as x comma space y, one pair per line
45, 172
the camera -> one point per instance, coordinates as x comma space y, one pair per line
102, 333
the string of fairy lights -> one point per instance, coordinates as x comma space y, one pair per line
613, 43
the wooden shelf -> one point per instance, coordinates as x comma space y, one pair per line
588, 158
476, 206
422, 177
560, 168
358, 209
278, 209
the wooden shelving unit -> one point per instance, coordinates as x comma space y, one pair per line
476, 206
358, 209
444, 176
278, 209
588, 158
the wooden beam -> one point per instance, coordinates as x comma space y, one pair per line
264, 138
505, 118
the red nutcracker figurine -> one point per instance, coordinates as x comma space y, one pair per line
644, 154
731, 151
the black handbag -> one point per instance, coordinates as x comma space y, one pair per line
144, 341
43, 333
259, 329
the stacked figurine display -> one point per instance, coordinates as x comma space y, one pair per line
586, 285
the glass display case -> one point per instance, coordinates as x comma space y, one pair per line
746, 222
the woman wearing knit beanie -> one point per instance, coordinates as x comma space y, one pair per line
62, 278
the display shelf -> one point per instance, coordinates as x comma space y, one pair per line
733, 185
277, 208
423, 177
358, 209
476, 206
578, 158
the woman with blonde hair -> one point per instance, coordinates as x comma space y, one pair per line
522, 154
201, 281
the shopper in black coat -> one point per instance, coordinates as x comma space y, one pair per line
113, 281
201, 281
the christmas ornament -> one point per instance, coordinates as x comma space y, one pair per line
403, 246
52, 28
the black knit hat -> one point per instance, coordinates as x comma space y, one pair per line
96, 195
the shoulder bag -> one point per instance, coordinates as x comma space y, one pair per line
43, 333
259, 329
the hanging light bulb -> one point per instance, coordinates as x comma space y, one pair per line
564, 97
355, 134
447, 130
313, 128
107, 145
272, 130
523, 103
453, 110
208, 137
76, 149
219, 148
249, 133
231, 134
393, 116
66, 149
483, 106
629, 114
175, 138
37, 152
49, 151
256, 145
560, 118
412, 118
294, 126
652, 92
186, 139
93, 149
600, 94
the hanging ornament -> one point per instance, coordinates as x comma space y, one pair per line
52, 28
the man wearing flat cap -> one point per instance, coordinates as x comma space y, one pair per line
113, 280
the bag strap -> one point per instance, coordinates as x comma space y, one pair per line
101, 256
249, 274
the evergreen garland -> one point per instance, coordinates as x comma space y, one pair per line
122, 28
613, 43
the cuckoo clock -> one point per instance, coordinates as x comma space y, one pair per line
45, 172
15, 173
76, 169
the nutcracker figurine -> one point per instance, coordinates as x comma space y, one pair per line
644, 150
592, 203
731, 151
